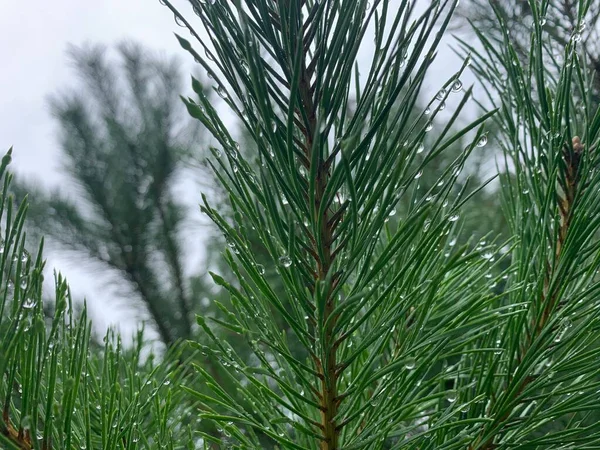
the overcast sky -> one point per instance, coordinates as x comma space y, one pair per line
34, 36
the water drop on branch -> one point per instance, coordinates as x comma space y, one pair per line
222, 92
285, 261
483, 140
456, 86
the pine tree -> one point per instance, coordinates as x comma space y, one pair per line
124, 140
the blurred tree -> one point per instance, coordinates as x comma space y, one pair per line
124, 138
559, 20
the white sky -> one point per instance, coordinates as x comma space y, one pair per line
34, 36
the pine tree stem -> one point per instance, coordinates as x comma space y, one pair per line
326, 366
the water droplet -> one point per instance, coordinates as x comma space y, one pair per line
285, 261
453, 218
245, 67
235, 168
456, 86
178, 21
427, 111
525, 191
489, 256
440, 95
393, 212
209, 56
419, 175
576, 37
483, 140
429, 126
23, 282
451, 395
410, 363
261, 269
274, 125
222, 92
442, 106
420, 148
498, 347
452, 243
29, 303
543, 21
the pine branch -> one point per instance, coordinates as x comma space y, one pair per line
175, 263
549, 297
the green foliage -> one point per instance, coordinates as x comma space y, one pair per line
374, 326
56, 390
409, 340
549, 131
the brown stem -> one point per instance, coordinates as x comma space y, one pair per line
21, 438
329, 381
326, 367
